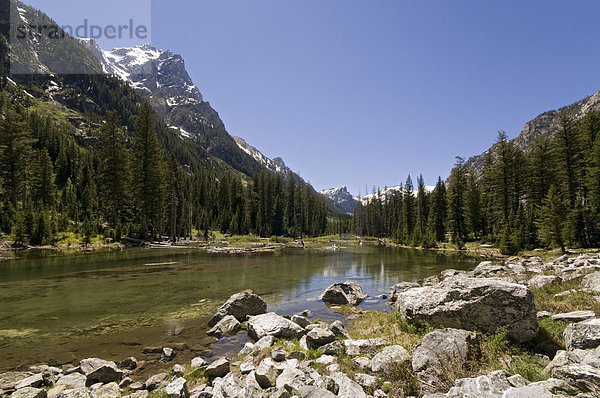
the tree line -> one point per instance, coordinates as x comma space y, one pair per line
545, 195
128, 185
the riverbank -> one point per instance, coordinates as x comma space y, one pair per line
523, 327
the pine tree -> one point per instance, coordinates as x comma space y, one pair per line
551, 219
439, 209
408, 211
44, 189
457, 205
422, 212
474, 218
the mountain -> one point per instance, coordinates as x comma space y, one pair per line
340, 198
276, 165
543, 124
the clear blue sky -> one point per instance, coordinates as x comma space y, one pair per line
364, 92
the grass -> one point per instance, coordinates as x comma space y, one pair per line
545, 300
391, 326
551, 332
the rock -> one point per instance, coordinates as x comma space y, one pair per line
240, 305
247, 366
177, 388
357, 347
109, 390
75, 393
218, 368
264, 343
302, 321
343, 293
138, 394
583, 377
517, 380
492, 385
575, 316
9, 380
73, 381
136, 386
247, 349
315, 392
473, 304
443, 351
228, 387
29, 392
300, 355
366, 381
35, 381
325, 359
388, 358
152, 350
168, 354
128, 363
198, 362
278, 355
100, 371
274, 325
318, 337
266, 374
530, 391
228, 325
363, 362
338, 329
178, 370
592, 281
583, 335
291, 379
539, 281
347, 387
334, 348
543, 314
126, 382
155, 381
334, 367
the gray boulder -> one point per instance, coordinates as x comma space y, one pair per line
73, 381
575, 316
100, 371
9, 380
240, 305
153, 382
128, 363
75, 393
443, 350
300, 320
218, 368
584, 378
592, 281
347, 387
583, 335
338, 329
109, 390
177, 388
274, 325
319, 337
473, 304
363, 346
389, 358
266, 374
348, 292
539, 281
227, 325
29, 392
37, 380
228, 387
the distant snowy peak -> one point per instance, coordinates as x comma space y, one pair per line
387, 191
276, 165
340, 198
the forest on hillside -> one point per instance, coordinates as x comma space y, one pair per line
547, 195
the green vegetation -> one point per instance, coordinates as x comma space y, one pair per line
547, 195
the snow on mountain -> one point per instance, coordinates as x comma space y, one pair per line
276, 165
340, 198
386, 191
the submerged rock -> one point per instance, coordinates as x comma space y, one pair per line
240, 305
348, 292
473, 304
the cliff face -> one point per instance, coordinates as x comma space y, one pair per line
543, 124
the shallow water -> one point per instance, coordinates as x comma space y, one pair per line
58, 310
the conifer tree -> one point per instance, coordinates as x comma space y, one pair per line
551, 219
408, 211
457, 205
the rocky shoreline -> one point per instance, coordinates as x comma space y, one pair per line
453, 318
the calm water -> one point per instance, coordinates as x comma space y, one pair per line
60, 309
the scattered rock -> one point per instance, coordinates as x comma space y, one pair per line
168, 354
128, 363
240, 305
155, 381
473, 304
334, 348
543, 314
319, 337
583, 335
35, 381
9, 380
109, 390
266, 374
357, 347
338, 329
177, 388
575, 316
388, 358
592, 281
366, 381
348, 292
347, 387
583, 377
100, 371
264, 343
300, 320
198, 362
227, 325
538, 281
73, 381
29, 392
218, 368
274, 325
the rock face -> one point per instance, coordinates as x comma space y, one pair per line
443, 350
274, 325
240, 305
343, 293
473, 304
582, 335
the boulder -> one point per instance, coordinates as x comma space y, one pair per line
9, 380
37, 380
198, 362
247, 366
315, 392
592, 281
539, 281
302, 321
75, 393
338, 329
333, 348
443, 350
347, 387
29, 392
274, 325
278, 355
168, 354
583, 335
357, 347
366, 381
153, 382
348, 292
266, 374
473, 304
109, 390
227, 325
228, 387
389, 358
100, 371
575, 316
584, 378
128, 363
319, 337
177, 388
218, 368
240, 305
72, 380
264, 343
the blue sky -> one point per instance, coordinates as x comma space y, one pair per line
364, 92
